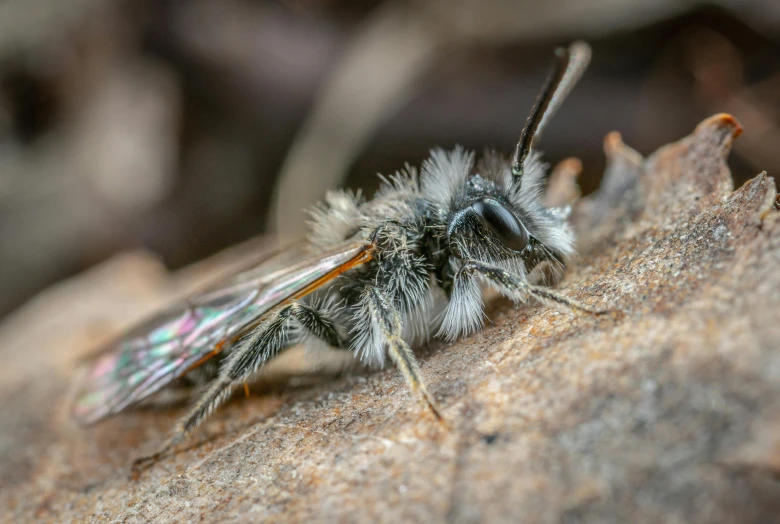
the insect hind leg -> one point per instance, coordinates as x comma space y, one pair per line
245, 359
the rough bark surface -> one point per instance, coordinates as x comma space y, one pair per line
669, 411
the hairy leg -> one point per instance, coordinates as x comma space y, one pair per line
518, 289
249, 355
388, 321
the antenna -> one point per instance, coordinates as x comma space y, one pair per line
568, 67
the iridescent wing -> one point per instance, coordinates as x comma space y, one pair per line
175, 342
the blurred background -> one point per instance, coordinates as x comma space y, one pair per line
186, 126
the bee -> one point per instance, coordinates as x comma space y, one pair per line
370, 270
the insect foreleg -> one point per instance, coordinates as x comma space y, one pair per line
518, 289
247, 357
388, 320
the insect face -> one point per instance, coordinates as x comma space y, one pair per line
485, 225
494, 220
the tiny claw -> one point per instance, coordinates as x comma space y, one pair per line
435, 409
612, 311
142, 463
436, 412
595, 311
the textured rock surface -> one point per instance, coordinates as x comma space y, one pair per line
669, 412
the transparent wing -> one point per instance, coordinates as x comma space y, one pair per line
180, 339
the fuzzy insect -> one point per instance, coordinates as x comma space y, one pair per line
373, 269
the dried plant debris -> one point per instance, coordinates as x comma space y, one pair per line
669, 412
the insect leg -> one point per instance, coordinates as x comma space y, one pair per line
518, 289
245, 359
388, 319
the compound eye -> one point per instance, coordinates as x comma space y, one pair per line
502, 223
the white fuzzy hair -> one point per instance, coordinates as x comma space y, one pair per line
369, 341
465, 312
334, 218
445, 173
